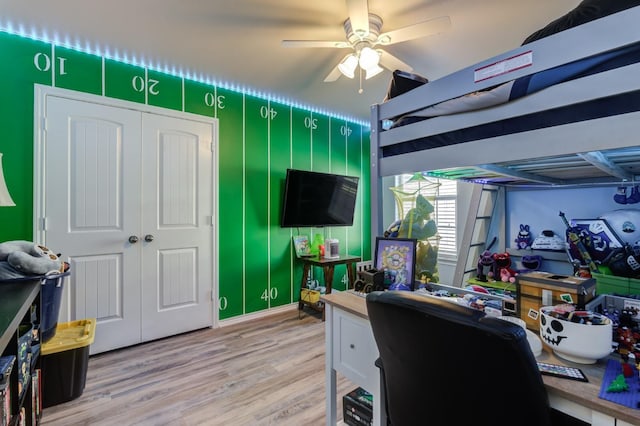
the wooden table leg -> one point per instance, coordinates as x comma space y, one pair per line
328, 281
351, 274
305, 275
328, 278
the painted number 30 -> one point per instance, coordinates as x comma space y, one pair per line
211, 100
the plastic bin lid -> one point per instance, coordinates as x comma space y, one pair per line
71, 335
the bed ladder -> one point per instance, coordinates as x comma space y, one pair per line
486, 212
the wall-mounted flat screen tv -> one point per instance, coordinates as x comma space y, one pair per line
318, 199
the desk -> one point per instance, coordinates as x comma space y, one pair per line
351, 351
328, 266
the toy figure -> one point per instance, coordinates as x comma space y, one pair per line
19, 259
626, 339
531, 262
502, 268
486, 266
523, 240
618, 385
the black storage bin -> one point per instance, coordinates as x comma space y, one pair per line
65, 361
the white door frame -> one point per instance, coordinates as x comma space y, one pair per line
39, 126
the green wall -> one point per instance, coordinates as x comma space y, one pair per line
258, 140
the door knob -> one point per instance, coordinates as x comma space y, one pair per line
148, 238
133, 239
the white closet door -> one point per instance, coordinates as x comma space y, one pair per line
129, 201
92, 207
177, 237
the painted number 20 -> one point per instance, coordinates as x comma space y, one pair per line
139, 85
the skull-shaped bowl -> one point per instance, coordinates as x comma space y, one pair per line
582, 342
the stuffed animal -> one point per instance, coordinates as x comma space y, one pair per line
486, 265
502, 268
19, 259
523, 240
531, 262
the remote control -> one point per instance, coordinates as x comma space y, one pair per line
562, 371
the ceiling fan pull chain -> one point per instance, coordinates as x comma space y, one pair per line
360, 76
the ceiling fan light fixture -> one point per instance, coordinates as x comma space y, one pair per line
372, 72
369, 58
348, 66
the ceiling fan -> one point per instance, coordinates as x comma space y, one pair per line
364, 36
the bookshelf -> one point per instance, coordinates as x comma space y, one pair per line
19, 315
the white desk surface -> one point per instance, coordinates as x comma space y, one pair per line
580, 393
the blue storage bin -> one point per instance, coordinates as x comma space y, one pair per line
50, 299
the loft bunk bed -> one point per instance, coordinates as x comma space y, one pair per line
584, 129
581, 128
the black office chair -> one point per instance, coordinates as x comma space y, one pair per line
442, 363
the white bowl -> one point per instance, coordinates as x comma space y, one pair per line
534, 341
581, 343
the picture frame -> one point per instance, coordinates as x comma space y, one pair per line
397, 258
301, 245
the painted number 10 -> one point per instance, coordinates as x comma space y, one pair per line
42, 62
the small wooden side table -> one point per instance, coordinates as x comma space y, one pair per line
328, 266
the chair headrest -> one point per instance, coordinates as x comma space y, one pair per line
446, 310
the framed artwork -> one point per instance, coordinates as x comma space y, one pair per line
396, 257
301, 245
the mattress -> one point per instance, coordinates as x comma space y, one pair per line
522, 87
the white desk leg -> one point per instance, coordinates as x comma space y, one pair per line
330, 373
379, 416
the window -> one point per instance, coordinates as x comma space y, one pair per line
444, 192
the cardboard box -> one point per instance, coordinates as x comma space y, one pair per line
357, 407
536, 289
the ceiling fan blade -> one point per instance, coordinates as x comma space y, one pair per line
314, 43
359, 16
333, 75
421, 29
392, 63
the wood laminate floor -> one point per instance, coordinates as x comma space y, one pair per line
268, 371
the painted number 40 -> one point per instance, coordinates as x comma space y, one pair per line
269, 294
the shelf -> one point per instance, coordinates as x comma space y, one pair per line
16, 301
559, 256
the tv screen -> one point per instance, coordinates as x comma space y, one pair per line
318, 199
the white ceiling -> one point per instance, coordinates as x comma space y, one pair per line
238, 41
